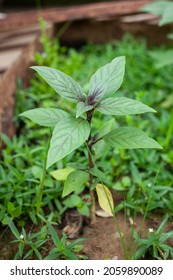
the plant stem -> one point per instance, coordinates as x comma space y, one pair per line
39, 192
91, 165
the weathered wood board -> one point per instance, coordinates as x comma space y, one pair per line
73, 13
17, 50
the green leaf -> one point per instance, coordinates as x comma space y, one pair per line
82, 108
29, 253
106, 128
167, 16
72, 201
74, 181
163, 224
67, 136
84, 210
39, 256
130, 138
16, 212
107, 80
156, 7
101, 147
138, 254
53, 256
13, 228
105, 198
10, 207
97, 173
21, 247
62, 174
135, 174
13, 211
61, 83
122, 106
45, 116
76, 242
165, 236
54, 235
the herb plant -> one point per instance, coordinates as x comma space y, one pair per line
72, 131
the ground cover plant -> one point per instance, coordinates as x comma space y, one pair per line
125, 171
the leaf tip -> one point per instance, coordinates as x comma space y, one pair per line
33, 67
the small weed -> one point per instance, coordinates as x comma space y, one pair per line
154, 246
28, 245
64, 250
34, 245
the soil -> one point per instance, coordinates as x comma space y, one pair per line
103, 241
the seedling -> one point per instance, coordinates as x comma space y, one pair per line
72, 131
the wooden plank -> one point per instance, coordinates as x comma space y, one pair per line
58, 15
7, 58
16, 62
16, 41
139, 18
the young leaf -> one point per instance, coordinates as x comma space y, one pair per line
122, 106
105, 198
67, 136
106, 80
63, 84
81, 108
130, 138
84, 210
62, 174
74, 181
45, 116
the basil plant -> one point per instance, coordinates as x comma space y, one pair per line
70, 130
